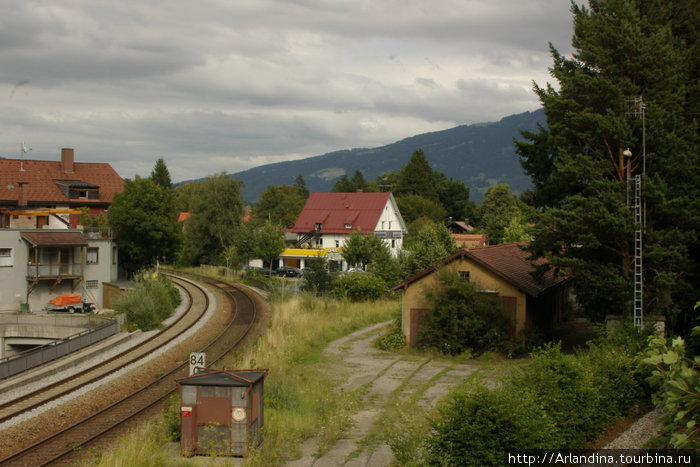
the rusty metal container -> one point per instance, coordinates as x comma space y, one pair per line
221, 411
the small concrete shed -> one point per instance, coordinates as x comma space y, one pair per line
221, 411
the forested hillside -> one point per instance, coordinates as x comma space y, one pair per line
480, 155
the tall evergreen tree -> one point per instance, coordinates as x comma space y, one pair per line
624, 49
161, 175
302, 190
416, 177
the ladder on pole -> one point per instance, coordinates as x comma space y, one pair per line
638, 271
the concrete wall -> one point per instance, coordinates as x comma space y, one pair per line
414, 295
13, 281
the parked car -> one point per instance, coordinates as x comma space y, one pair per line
257, 270
286, 271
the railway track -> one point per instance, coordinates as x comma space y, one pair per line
61, 447
197, 306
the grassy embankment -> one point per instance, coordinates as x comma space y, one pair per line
299, 400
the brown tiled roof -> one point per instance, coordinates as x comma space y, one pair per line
469, 240
507, 260
39, 187
54, 239
334, 210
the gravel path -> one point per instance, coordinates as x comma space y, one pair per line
391, 375
387, 375
639, 432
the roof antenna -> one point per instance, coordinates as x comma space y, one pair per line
22, 153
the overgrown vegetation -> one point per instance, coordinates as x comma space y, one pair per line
557, 401
153, 299
464, 319
358, 286
299, 397
675, 377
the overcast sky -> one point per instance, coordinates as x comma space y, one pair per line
226, 85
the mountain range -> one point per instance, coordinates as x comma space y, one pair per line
481, 155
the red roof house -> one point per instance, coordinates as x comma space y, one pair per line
328, 220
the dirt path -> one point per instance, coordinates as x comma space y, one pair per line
386, 377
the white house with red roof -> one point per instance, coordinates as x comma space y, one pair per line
328, 220
42, 253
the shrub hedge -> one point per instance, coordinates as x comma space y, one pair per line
358, 286
557, 401
149, 303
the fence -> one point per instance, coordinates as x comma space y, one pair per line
99, 328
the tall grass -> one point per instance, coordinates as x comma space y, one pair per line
299, 396
300, 401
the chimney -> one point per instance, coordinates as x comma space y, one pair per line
21, 200
67, 160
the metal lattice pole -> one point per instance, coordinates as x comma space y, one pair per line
638, 270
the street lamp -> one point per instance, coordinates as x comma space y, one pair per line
628, 157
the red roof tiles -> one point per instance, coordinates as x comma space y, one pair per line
335, 210
38, 186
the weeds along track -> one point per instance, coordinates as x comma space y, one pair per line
109, 422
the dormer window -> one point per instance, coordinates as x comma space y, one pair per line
348, 225
318, 225
77, 189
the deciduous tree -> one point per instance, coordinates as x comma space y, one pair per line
146, 224
280, 204
217, 212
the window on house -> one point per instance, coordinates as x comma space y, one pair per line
464, 275
114, 255
92, 284
6, 258
337, 243
92, 255
393, 243
348, 225
389, 225
318, 225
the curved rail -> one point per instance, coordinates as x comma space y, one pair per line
61, 445
57, 389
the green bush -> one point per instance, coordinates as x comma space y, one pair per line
562, 386
613, 371
393, 339
675, 378
358, 286
477, 426
464, 319
149, 303
317, 277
